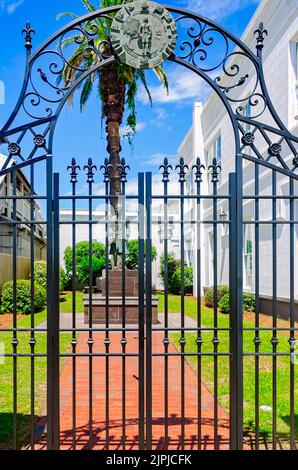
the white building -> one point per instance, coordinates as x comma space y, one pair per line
211, 136
23, 231
131, 218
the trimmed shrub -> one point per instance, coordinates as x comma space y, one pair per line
209, 294
40, 275
23, 297
173, 264
224, 304
97, 267
249, 302
175, 286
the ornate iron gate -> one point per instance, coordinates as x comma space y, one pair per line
27, 138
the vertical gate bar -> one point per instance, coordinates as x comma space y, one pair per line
141, 236
32, 321
74, 319
215, 318
274, 311
182, 338
90, 339
50, 298
292, 316
199, 306
257, 314
56, 311
236, 330
123, 339
15, 334
148, 313
107, 321
166, 313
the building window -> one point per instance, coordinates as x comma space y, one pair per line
248, 260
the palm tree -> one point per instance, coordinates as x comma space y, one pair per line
117, 84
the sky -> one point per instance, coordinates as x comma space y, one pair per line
160, 129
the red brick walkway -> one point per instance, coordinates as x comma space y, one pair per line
115, 400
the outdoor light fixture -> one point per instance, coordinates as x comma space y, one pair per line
223, 217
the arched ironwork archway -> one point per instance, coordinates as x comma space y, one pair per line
226, 64
42, 99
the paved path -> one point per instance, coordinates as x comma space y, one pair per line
114, 425
174, 321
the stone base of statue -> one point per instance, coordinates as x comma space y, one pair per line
115, 283
115, 310
100, 304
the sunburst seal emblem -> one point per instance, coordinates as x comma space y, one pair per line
143, 34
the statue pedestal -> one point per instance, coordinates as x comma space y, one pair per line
114, 301
115, 283
115, 309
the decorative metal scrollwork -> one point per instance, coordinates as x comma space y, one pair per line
215, 54
182, 170
165, 169
74, 168
198, 170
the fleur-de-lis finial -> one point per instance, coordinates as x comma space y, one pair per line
215, 170
91, 168
107, 169
165, 170
182, 170
28, 31
198, 169
260, 34
124, 169
73, 167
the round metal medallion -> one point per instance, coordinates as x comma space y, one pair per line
143, 34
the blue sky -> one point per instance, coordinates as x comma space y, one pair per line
160, 128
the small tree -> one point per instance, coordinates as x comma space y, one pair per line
40, 275
172, 263
132, 254
176, 282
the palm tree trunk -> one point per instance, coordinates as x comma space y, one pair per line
113, 98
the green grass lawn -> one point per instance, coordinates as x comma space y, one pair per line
66, 302
23, 367
266, 375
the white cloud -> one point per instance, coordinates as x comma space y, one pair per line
158, 158
219, 9
9, 7
183, 85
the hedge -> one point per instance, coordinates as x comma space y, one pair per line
40, 275
175, 286
209, 294
23, 297
249, 303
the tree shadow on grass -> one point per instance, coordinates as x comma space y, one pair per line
23, 430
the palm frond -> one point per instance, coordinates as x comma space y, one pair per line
66, 13
143, 79
86, 92
89, 6
162, 76
67, 42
